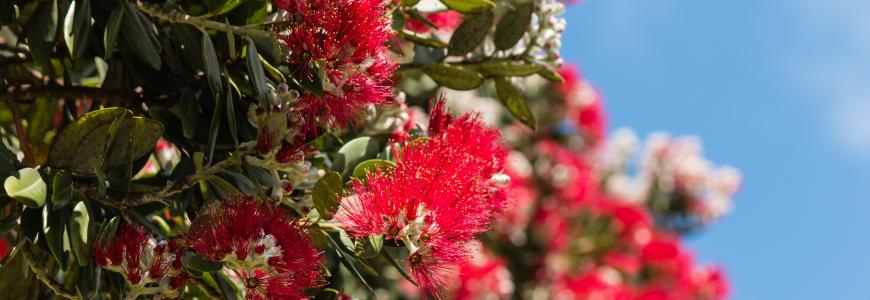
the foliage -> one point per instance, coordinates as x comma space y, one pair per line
260, 149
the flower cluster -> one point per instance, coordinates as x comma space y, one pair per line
151, 267
267, 251
580, 227
673, 178
339, 43
444, 190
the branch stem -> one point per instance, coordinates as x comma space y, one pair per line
175, 16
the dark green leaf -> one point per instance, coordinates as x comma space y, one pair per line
212, 67
326, 194
214, 126
198, 263
8, 161
454, 77
77, 27
255, 71
469, 6
470, 33
504, 68
409, 3
349, 265
41, 31
228, 289
54, 233
113, 27
79, 225
17, 281
353, 153
514, 102
372, 165
73, 148
27, 187
513, 25
187, 110
61, 189
242, 182
139, 35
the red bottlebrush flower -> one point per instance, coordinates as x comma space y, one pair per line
710, 283
4, 249
345, 39
584, 105
142, 260
268, 249
446, 20
442, 192
484, 276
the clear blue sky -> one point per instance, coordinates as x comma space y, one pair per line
778, 88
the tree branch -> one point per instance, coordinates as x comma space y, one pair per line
29, 94
42, 276
175, 16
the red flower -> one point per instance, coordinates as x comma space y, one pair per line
345, 39
710, 283
142, 259
443, 191
269, 251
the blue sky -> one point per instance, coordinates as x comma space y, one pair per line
777, 88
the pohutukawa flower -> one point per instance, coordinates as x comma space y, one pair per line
344, 41
443, 191
265, 248
143, 260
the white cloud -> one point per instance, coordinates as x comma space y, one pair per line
830, 58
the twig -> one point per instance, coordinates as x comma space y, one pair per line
179, 17
42, 276
29, 94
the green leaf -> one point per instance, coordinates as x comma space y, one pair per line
514, 102
73, 148
242, 182
28, 187
224, 6
139, 35
392, 261
77, 27
61, 189
326, 193
421, 40
41, 29
469, 6
215, 126
409, 3
255, 71
371, 166
504, 68
454, 77
353, 153
369, 246
550, 75
8, 161
113, 27
198, 263
470, 33
231, 112
212, 67
228, 290
55, 238
348, 264
513, 25
273, 72
187, 110
79, 225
